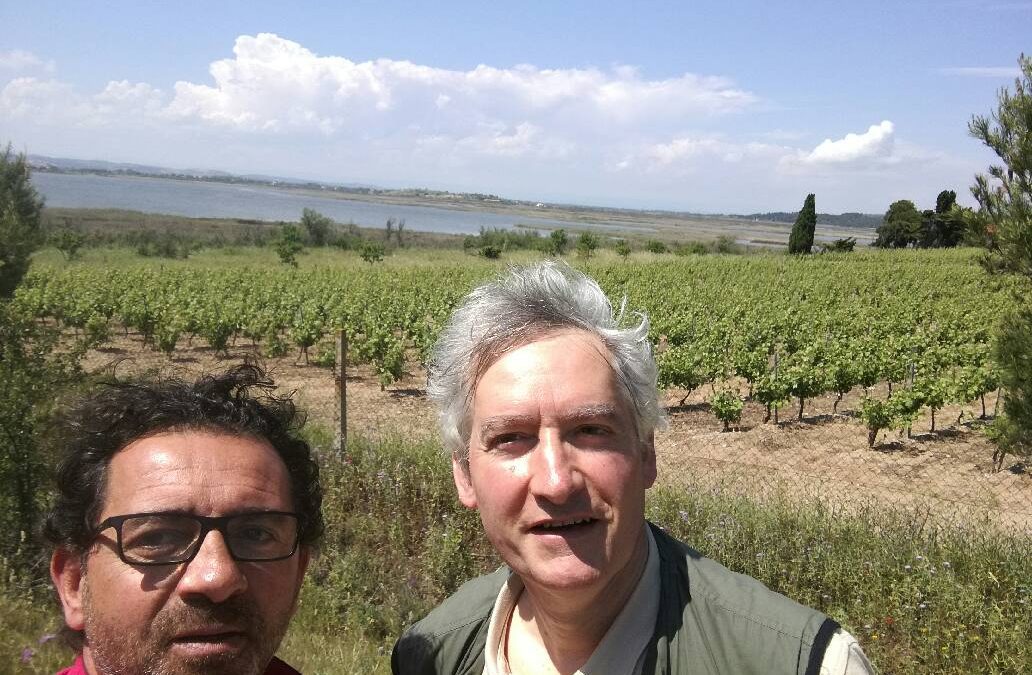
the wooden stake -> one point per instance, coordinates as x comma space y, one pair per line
341, 379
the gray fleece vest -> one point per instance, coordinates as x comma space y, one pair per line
711, 621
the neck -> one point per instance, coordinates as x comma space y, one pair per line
569, 624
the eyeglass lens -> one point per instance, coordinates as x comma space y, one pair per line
168, 538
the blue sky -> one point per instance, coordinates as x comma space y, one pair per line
701, 106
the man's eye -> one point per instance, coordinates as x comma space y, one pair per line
506, 440
162, 539
255, 535
593, 430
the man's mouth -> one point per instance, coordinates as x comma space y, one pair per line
569, 526
208, 641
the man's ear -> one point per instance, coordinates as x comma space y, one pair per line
463, 481
648, 458
66, 571
304, 557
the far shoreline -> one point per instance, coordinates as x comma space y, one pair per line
638, 225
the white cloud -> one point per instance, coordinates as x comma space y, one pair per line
19, 60
274, 84
126, 97
678, 149
996, 72
51, 102
524, 139
383, 110
689, 153
875, 150
874, 144
34, 98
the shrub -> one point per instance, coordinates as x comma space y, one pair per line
288, 245
68, 242
326, 355
33, 372
317, 227
840, 246
587, 243
20, 209
727, 406
275, 345
505, 240
876, 416
558, 241
692, 248
657, 247
167, 244
371, 252
727, 244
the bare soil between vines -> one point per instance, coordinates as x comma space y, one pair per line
947, 473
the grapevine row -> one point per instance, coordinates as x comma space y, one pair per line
772, 328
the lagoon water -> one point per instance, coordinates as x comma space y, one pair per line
200, 199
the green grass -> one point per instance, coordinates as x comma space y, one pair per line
920, 600
26, 626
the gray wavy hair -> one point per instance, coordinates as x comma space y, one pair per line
517, 308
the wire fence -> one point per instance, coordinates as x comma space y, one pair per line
947, 474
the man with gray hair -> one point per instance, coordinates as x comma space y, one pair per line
548, 407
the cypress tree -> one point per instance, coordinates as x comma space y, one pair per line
801, 239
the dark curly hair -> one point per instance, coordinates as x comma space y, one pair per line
237, 402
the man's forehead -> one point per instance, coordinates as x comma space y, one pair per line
490, 352
196, 470
484, 361
572, 368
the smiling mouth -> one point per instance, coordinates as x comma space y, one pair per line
564, 526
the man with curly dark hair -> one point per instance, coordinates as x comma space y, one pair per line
185, 518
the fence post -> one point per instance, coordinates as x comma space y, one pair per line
340, 380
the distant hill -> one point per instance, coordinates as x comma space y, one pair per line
97, 166
64, 164
864, 220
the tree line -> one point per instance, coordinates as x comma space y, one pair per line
948, 225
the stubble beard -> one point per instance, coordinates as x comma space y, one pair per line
137, 650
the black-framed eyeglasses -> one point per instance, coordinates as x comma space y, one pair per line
173, 538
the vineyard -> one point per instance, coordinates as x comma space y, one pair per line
895, 542
767, 328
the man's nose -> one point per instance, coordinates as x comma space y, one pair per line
213, 573
553, 473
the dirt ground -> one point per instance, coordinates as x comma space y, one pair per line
825, 455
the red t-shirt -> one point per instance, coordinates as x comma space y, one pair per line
276, 667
